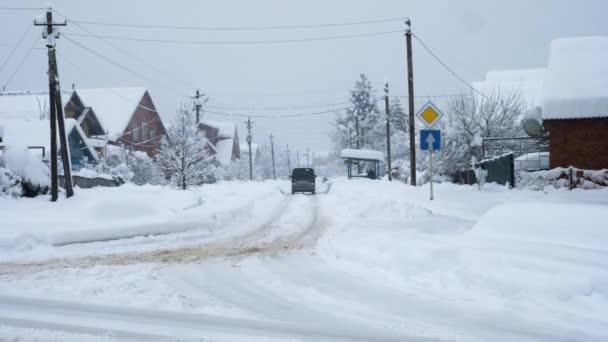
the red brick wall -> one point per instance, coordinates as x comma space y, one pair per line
582, 143
145, 112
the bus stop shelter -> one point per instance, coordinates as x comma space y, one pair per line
353, 157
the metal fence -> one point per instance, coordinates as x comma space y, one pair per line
500, 169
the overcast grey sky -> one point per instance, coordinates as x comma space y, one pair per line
472, 36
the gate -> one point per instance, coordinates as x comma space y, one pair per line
500, 169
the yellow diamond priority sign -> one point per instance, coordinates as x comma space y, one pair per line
429, 114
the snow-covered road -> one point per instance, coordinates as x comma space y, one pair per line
369, 261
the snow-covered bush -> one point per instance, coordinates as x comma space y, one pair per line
10, 184
131, 166
35, 175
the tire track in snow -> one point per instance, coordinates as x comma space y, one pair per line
269, 239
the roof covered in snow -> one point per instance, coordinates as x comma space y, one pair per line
527, 82
114, 107
26, 132
225, 129
576, 81
362, 154
224, 146
24, 106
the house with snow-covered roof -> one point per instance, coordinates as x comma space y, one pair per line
127, 116
224, 138
24, 122
35, 135
575, 103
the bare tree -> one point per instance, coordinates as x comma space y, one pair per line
472, 118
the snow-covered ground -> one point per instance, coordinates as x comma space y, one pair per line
369, 260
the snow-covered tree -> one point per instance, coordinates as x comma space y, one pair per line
359, 127
184, 154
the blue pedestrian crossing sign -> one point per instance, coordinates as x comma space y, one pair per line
430, 139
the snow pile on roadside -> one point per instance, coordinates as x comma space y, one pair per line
537, 261
9, 333
130, 211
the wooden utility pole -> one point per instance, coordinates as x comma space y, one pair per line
57, 120
410, 86
288, 161
388, 133
274, 172
249, 139
197, 105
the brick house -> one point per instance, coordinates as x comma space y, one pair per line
127, 116
575, 103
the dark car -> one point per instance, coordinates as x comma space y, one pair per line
303, 180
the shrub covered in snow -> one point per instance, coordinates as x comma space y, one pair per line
10, 184
562, 178
131, 166
34, 174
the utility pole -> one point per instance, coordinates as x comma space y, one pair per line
288, 161
249, 139
307, 157
57, 120
197, 105
410, 86
388, 133
274, 172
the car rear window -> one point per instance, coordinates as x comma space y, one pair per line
303, 174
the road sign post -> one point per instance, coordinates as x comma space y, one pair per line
430, 139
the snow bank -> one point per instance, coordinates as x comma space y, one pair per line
129, 211
568, 225
576, 81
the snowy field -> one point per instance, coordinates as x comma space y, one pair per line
365, 261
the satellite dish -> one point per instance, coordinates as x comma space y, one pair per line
533, 122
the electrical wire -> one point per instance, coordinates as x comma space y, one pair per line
29, 27
447, 67
273, 108
127, 53
245, 42
238, 28
22, 8
22, 62
118, 65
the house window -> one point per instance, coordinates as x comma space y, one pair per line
136, 134
144, 131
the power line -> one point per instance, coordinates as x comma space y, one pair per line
279, 116
447, 67
22, 8
109, 60
127, 53
273, 108
245, 42
237, 28
16, 46
22, 62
